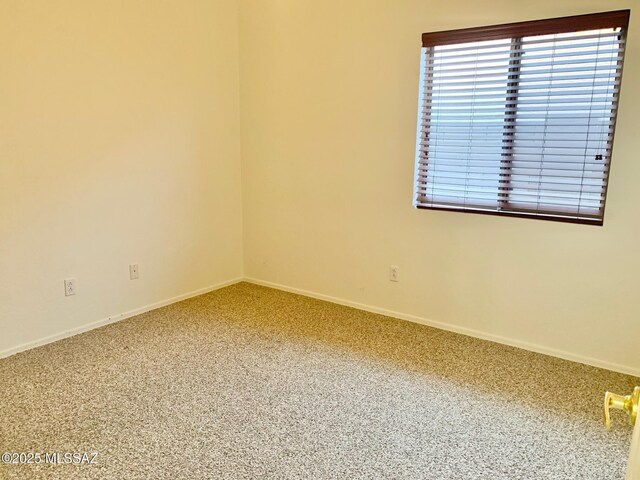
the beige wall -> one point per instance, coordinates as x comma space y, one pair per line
119, 144
328, 108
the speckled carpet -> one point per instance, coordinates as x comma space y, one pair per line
249, 382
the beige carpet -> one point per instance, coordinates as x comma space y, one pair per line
249, 382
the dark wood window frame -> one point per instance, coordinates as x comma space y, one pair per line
515, 31
591, 21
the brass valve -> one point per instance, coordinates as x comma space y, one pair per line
628, 403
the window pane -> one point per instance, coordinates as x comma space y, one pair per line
466, 85
563, 124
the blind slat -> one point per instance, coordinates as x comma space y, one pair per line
523, 187
491, 63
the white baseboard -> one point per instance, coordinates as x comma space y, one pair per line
594, 362
360, 306
113, 318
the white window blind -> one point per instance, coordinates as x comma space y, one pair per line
520, 124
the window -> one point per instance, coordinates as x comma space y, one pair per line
519, 119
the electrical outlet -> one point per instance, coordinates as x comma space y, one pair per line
134, 273
394, 273
69, 287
